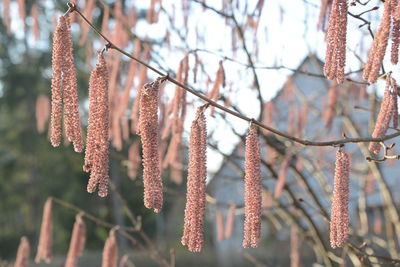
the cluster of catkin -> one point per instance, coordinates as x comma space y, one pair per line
196, 184
76, 247
390, 23
388, 112
339, 225
335, 58
64, 91
97, 141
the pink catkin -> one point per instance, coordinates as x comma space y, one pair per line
72, 121
88, 12
230, 221
96, 156
386, 113
294, 247
329, 112
134, 160
6, 15
42, 112
220, 225
22, 11
324, 10
77, 243
282, 175
35, 26
56, 82
253, 198
22, 259
64, 88
177, 109
335, 58
110, 251
339, 225
149, 133
124, 261
46, 234
196, 184
378, 49
394, 58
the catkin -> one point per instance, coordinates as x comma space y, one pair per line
335, 58
387, 111
282, 175
378, 49
77, 243
294, 247
22, 259
220, 225
149, 133
64, 87
339, 225
46, 234
230, 221
96, 155
196, 184
252, 199
42, 112
110, 251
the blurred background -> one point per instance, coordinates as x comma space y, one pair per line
272, 54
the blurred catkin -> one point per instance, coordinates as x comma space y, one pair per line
110, 251
378, 49
230, 221
42, 112
252, 198
77, 243
196, 184
97, 142
387, 111
44, 249
22, 259
339, 225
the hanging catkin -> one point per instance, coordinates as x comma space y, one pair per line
42, 112
252, 195
294, 246
339, 225
230, 221
46, 234
330, 110
96, 156
335, 58
134, 160
77, 243
378, 49
282, 176
387, 111
64, 87
6, 15
196, 184
149, 133
220, 225
110, 251
22, 259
